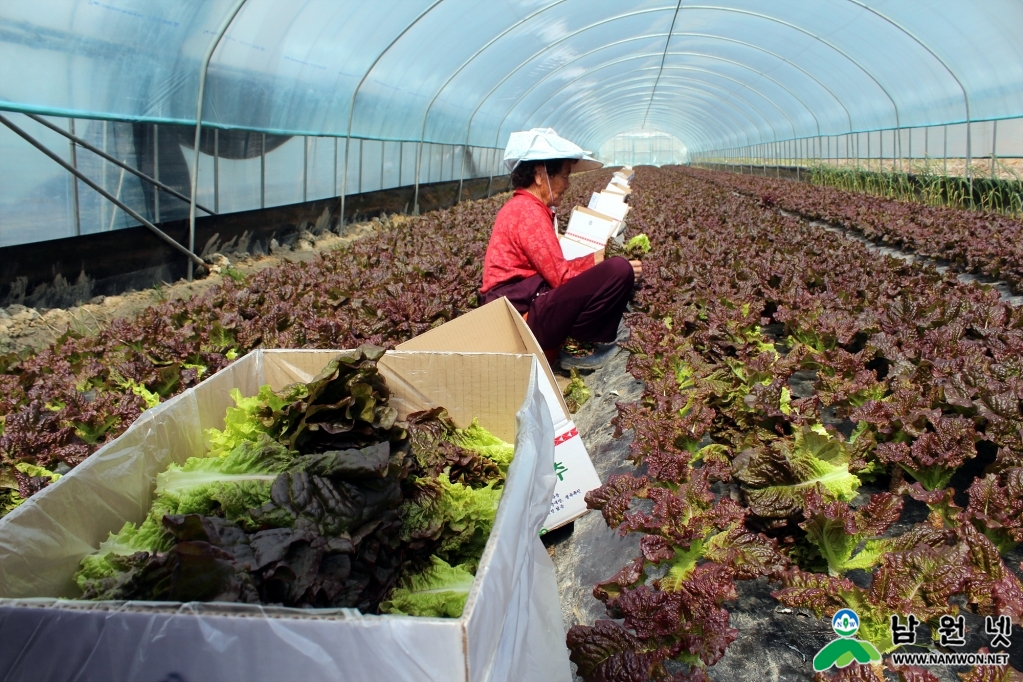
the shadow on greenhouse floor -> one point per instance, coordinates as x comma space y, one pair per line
64, 272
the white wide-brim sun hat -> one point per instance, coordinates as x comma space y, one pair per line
540, 144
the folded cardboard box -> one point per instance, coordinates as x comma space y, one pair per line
587, 231
498, 328
510, 629
617, 189
610, 204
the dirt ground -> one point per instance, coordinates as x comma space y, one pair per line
24, 328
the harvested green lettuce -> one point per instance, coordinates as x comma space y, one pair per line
634, 249
477, 439
242, 423
455, 517
440, 590
229, 486
234, 484
638, 245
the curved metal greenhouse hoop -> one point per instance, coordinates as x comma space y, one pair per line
619, 61
221, 30
605, 129
684, 124
816, 37
767, 18
664, 55
355, 93
654, 35
704, 118
966, 96
426, 114
703, 115
468, 127
762, 75
620, 93
645, 56
748, 87
809, 75
698, 113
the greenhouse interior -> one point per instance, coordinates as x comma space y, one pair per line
529, 340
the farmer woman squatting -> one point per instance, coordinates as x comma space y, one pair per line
584, 297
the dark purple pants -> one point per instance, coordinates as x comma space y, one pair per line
587, 307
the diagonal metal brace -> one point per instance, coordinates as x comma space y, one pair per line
105, 194
99, 152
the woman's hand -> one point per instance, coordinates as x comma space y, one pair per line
637, 268
598, 256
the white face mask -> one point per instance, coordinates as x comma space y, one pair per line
547, 177
551, 205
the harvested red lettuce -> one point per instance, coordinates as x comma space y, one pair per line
316, 496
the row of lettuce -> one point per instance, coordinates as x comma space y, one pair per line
59, 405
982, 243
812, 413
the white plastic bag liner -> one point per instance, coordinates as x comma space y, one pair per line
543, 143
510, 630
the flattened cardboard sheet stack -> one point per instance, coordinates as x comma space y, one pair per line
591, 226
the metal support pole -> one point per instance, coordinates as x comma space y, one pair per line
216, 170
897, 149
192, 258
74, 181
490, 183
419, 165
103, 174
117, 162
994, 141
927, 153
969, 157
305, 168
461, 175
156, 173
944, 152
383, 158
335, 166
221, 30
262, 171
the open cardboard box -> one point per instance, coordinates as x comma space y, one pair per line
498, 328
588, 231
510, 629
